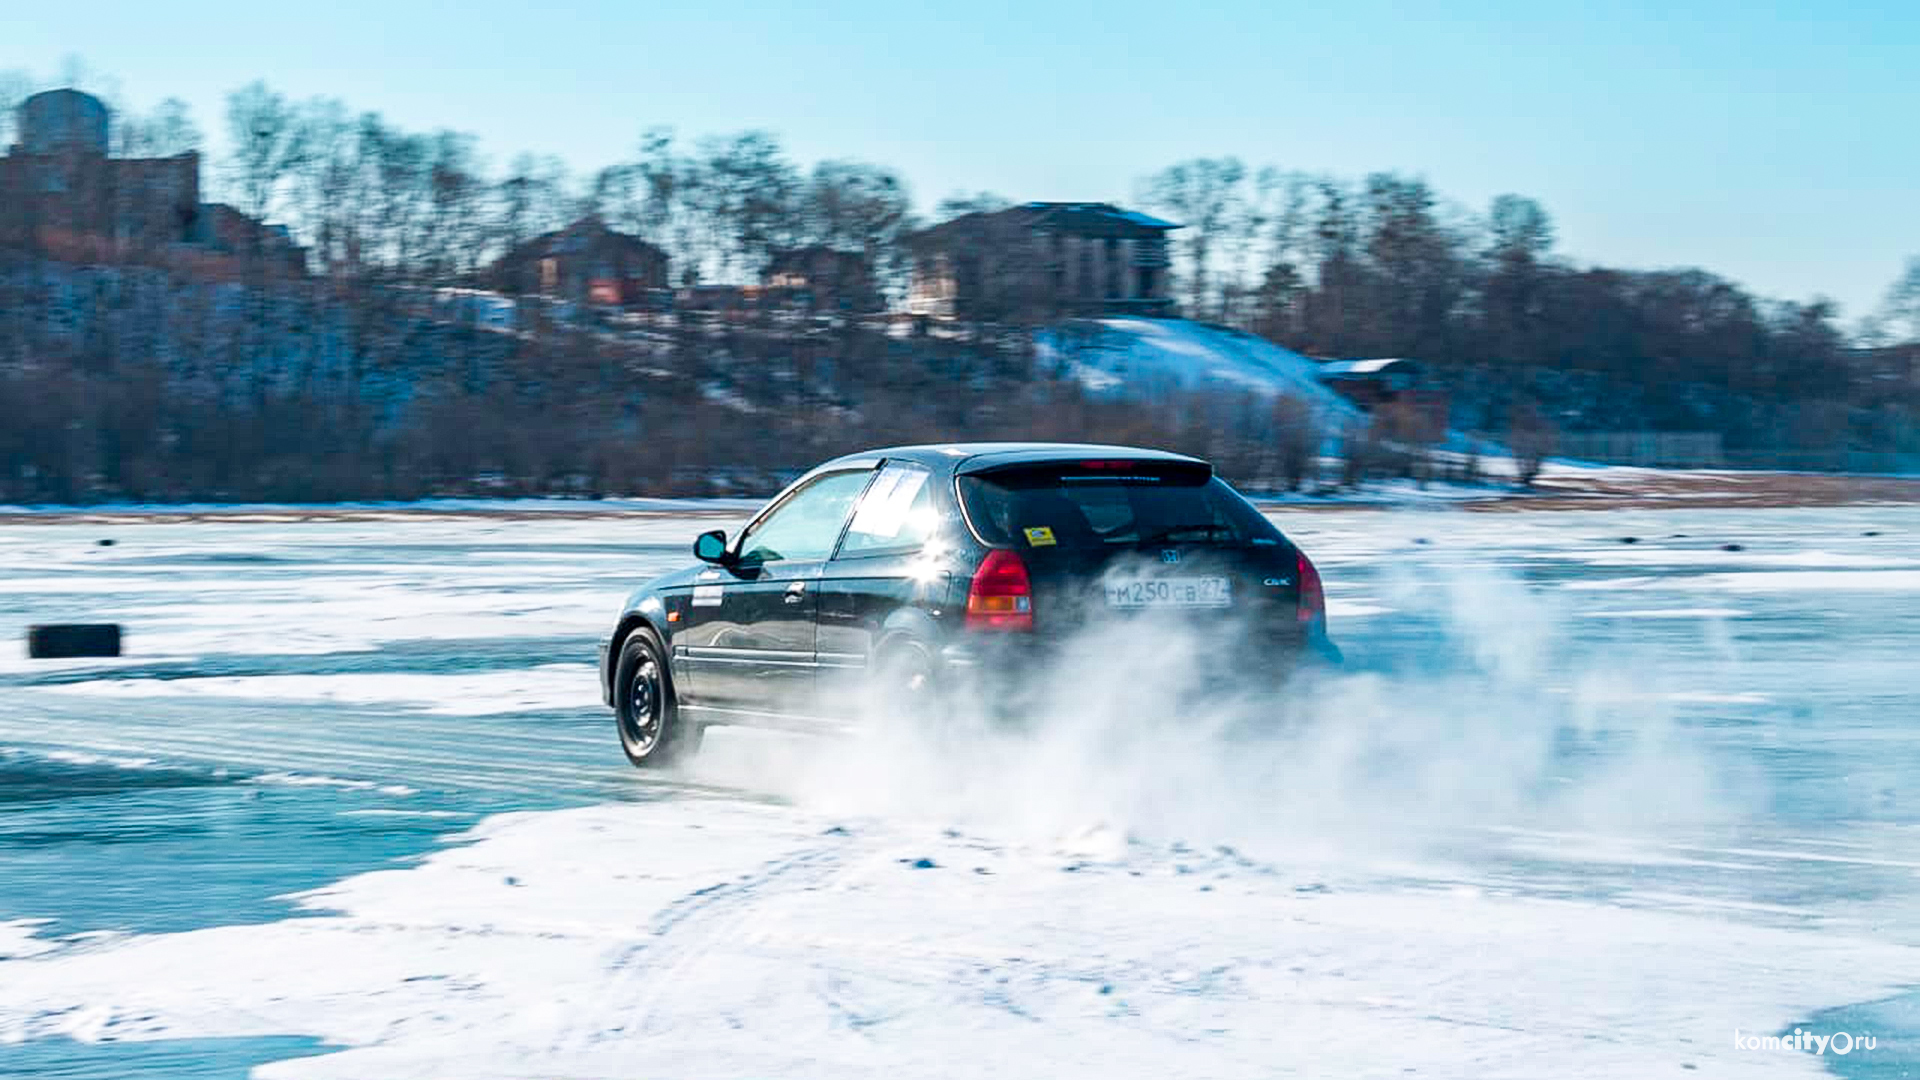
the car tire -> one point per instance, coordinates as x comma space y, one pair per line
652, 734
906, 684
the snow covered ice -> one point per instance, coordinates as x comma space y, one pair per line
1577, 809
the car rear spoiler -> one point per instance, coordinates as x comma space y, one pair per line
1157, 469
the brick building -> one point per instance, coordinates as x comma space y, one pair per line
823, 279
586, 262
59, 185
1392, 389
64, 193
221, 228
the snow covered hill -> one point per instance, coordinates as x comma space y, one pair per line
1135, 357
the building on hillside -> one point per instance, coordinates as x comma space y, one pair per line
1395, 389
60, 187
60, 121
1042, 260
586, 262
725, 303
221, 228
63, 192
822, 279
1372, 382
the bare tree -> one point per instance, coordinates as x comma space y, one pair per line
1900, 312
1277, 309
1296, 437
1333, 310
751, 191
1205, 196
609, 193
268, 143
455, 237
1519, 237
861, 208
15, 85
652, 184
327, 186
1531, 438
533, 199
664, 193
401, 171
1416, 275
1520, 229
167, 131
1250, 243
1290, 222
853, 206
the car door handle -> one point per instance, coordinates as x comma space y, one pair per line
796, 592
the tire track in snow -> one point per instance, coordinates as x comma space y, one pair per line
687, 930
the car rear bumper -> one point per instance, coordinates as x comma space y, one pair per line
1014, 657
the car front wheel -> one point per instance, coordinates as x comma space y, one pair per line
651, 733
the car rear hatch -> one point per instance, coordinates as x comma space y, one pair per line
1153, 538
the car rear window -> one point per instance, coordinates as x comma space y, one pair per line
1068, 508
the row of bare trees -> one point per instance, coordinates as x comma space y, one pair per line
1302, 252
371, 198
1385, 266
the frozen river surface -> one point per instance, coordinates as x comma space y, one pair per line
1580, 807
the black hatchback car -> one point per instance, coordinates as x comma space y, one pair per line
906, 569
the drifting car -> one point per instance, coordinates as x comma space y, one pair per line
911, 571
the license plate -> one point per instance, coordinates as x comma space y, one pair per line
1171, 592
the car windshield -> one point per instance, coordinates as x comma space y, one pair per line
1051, 507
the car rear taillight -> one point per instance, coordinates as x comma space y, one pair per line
1313, 601
1001, 596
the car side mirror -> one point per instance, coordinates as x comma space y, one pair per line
711, 547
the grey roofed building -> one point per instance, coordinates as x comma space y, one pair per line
1042, 260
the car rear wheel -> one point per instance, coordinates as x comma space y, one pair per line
906, 684
651, 732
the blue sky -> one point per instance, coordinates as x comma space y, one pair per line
1772, 143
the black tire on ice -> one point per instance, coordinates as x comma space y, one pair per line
651, 732
906, 684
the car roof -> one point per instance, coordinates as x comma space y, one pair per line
973, 457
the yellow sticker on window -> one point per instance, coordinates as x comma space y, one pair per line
1039, 536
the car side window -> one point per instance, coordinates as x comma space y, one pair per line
894, 516
805, 526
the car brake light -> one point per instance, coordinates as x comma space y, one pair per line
1001, 595
1313, 601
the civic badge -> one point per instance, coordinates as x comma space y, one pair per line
1169, 555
